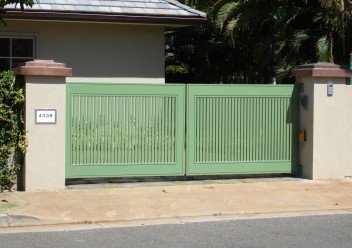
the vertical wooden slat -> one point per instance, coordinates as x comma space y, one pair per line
155, 130
282, 128
113, 129
149, 130
207, 130
168, 129
233, 128
241, 130
213, 123
236, 133
197, 129
74, 130
79, 130
144, 131
119, 129
258, 127
93, 119
128, 130
165, 128
95, 135
172, 130
249, 129
211, 128
273, 129
98, 135
219, 128
134, 131
225, 129
138, 130
108, 130
267, 133
201, 125
255, 133
161, 129
229, 128
123, 128
160, 151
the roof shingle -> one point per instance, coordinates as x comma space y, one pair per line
117, 7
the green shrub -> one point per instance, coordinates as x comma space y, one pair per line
12, 135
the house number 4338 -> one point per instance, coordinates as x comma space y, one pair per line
45, 116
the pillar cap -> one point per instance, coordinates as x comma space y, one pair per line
39, 67
321, 69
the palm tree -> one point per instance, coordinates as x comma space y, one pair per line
338, 10
283, 32
255, 28
251, 41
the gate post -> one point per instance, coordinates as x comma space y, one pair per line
326, 117
45, 97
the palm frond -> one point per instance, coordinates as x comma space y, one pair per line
323, 48
225, 13
298, 38
229, 29
334, 5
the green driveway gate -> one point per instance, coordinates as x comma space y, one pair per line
242, 129
124, 130
116, 130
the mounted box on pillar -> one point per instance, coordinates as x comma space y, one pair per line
45, 96
326, 117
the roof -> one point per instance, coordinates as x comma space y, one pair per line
131, 11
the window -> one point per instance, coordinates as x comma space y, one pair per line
15, 50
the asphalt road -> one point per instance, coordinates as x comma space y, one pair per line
312, 231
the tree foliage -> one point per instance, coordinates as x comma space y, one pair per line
12, 136
253, 41
21, 3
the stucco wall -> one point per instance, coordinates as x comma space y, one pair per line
45, 156
327, 120
126, 53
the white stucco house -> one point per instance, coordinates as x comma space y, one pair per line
118, 40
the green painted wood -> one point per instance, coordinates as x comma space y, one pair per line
234, 129
138, 130
116, 130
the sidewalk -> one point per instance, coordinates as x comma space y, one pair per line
174, 203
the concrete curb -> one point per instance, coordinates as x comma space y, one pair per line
25, 225
4, 220
19, 220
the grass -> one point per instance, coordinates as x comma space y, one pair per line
5, 207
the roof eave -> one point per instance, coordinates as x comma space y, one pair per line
103, 17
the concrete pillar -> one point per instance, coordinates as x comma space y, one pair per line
327, 119
45, 92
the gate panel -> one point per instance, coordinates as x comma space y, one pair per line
124, 130
234, 129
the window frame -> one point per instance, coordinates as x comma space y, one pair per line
16, 35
